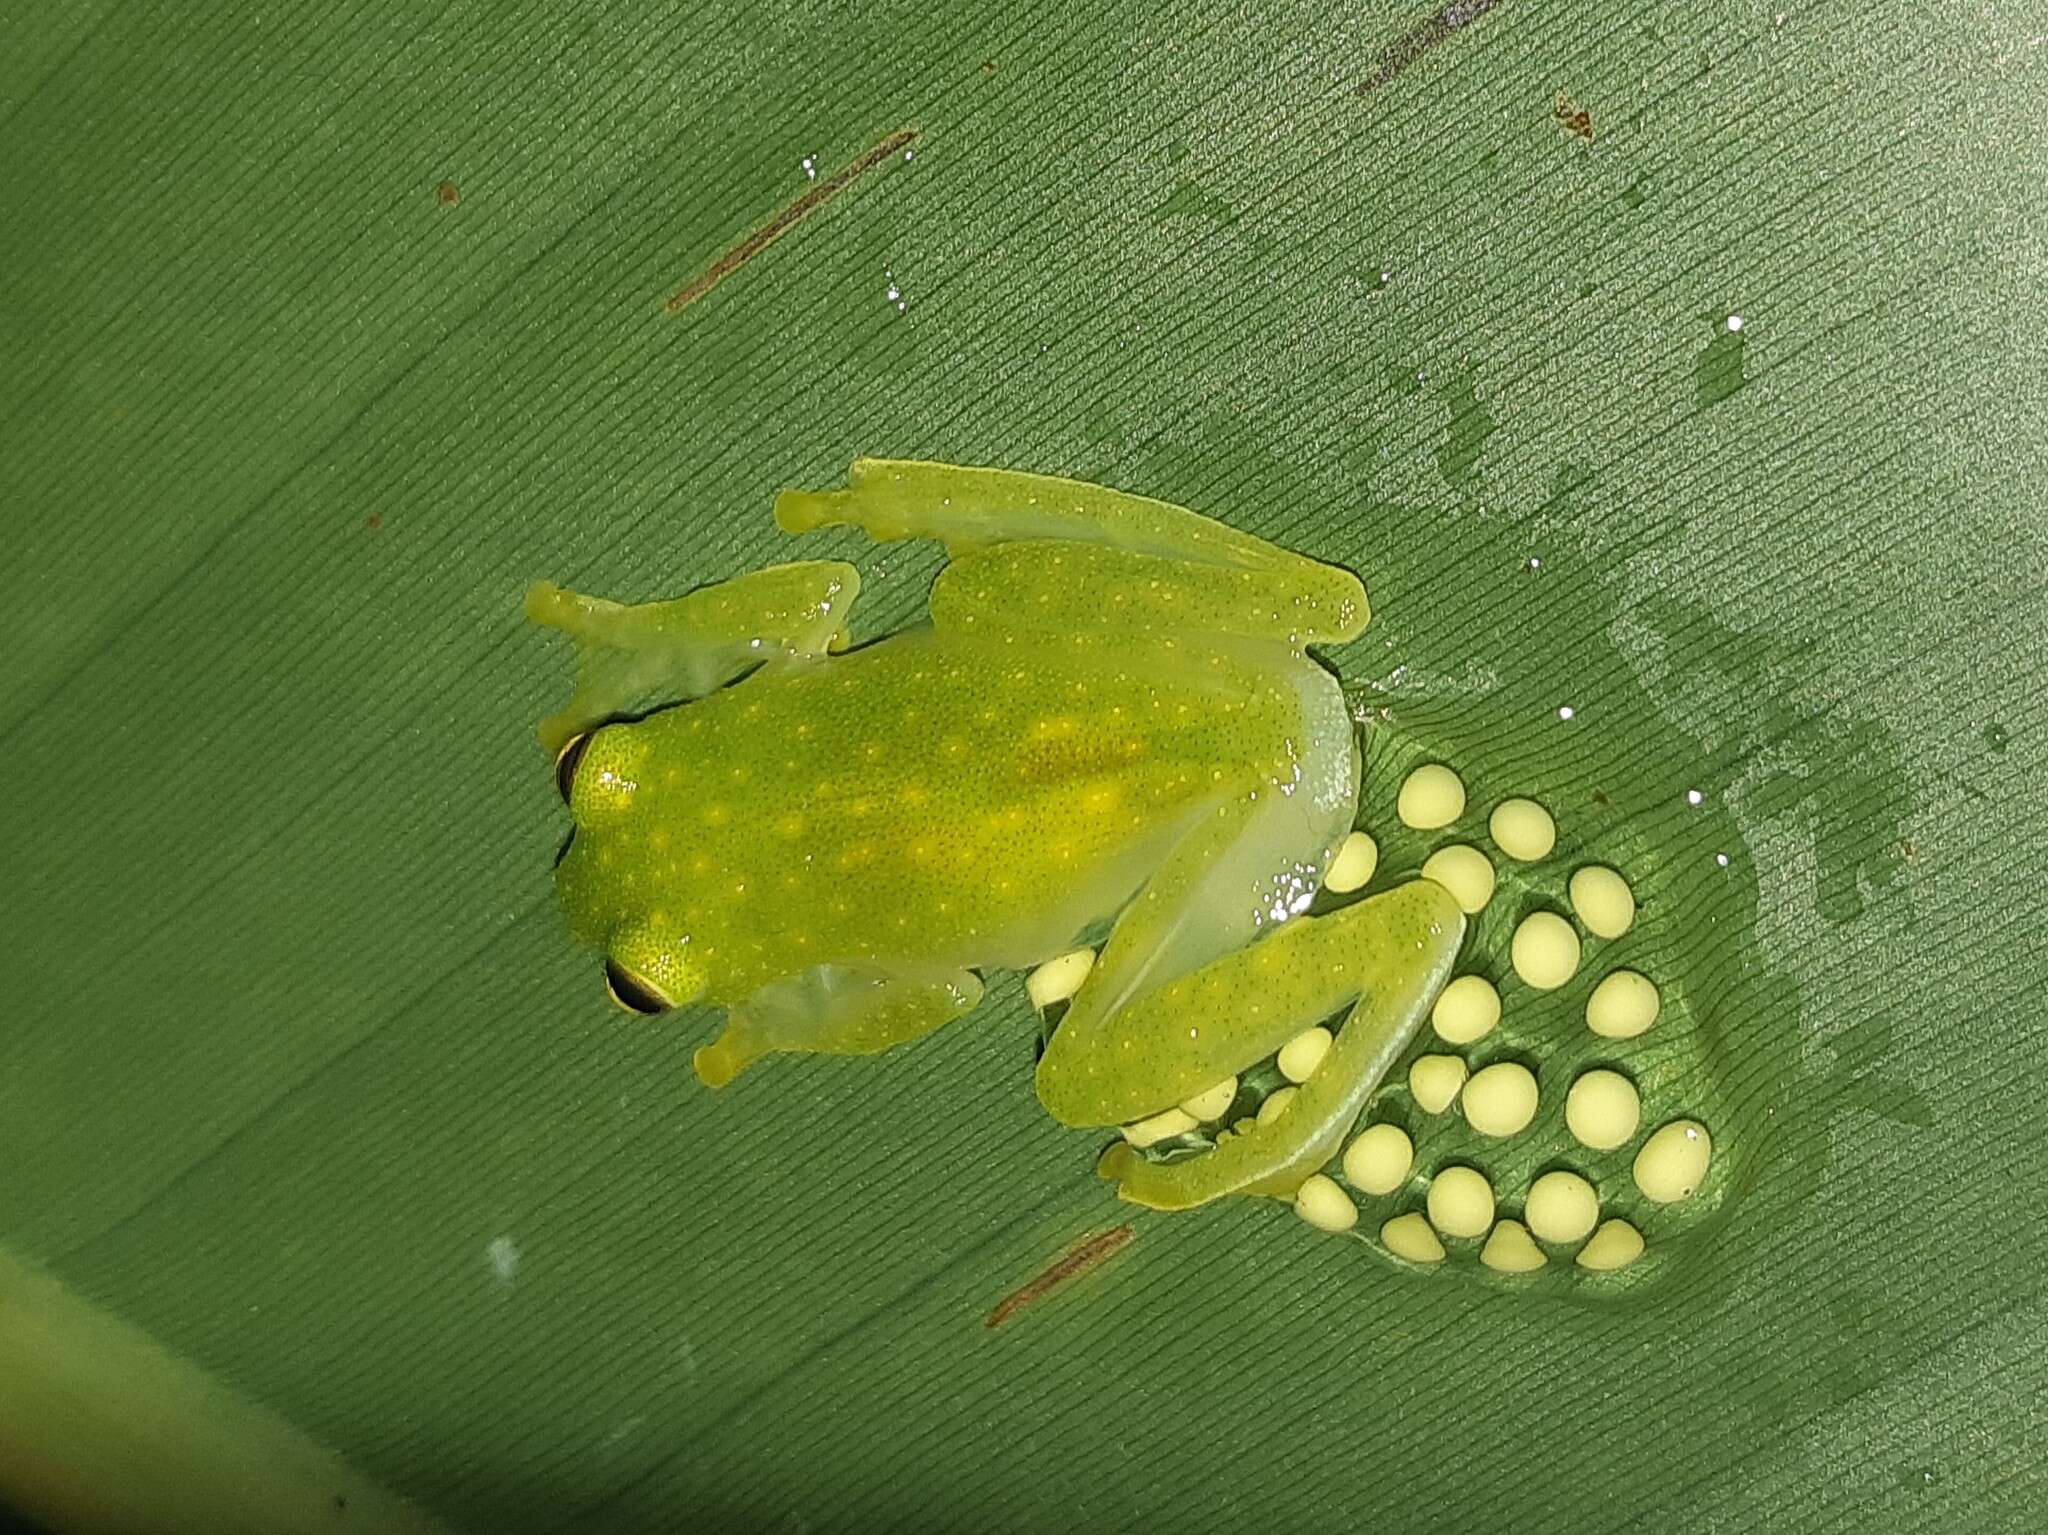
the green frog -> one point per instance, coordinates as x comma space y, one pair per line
1112, 714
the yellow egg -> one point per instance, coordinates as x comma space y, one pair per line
1544, 950
1603, 901
1163, 1126
1211, 1103
1466, 1010
1379, 1160
1324, 1205
1673, 1162
1430, 797
1523, 830
1602, 1109
1562, 1207
1500, 1099
1460, 1202
1276, 1104
1352, 869
1623, 1005
1434, 1081
1058, 979
1511, 1250
1301, 1055
1615, 1245
1465, 872
1408, 1236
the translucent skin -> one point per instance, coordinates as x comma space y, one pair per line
931, 803
1112, 711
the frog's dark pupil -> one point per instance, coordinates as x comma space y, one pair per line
567, 763
632, 991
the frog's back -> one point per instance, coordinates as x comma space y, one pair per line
932, 801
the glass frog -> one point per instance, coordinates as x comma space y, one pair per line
1111, 714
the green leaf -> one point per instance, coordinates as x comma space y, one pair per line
324, 330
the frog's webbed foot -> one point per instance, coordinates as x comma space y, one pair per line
835, 1010
633, 658
1067, 543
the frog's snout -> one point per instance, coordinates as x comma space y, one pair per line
567, 760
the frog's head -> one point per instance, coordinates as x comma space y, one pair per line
606, 887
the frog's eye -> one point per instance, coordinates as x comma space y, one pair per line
567, 760
632, 993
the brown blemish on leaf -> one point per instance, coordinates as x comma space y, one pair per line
1076, 1260
447, 194
1575, 118
374, 521
988, 66
787, 219
1411, 45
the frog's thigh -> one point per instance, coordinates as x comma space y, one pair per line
1062, 587
1243, 865
631, 658
835, 1010
1390, 954
973, 508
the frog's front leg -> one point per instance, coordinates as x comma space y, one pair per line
1085, 556
634, 658
835, 1010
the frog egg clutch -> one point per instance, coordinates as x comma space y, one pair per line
1534, 1135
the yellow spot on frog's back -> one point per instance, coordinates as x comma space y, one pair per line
715, 815
700, 863
855, 856
791, 826
914, 794
1055, 727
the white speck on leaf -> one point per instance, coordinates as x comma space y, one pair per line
503, 1255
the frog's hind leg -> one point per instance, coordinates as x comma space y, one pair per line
1245, 865
631, 658
1386, 958
1163, 563
835, 1010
